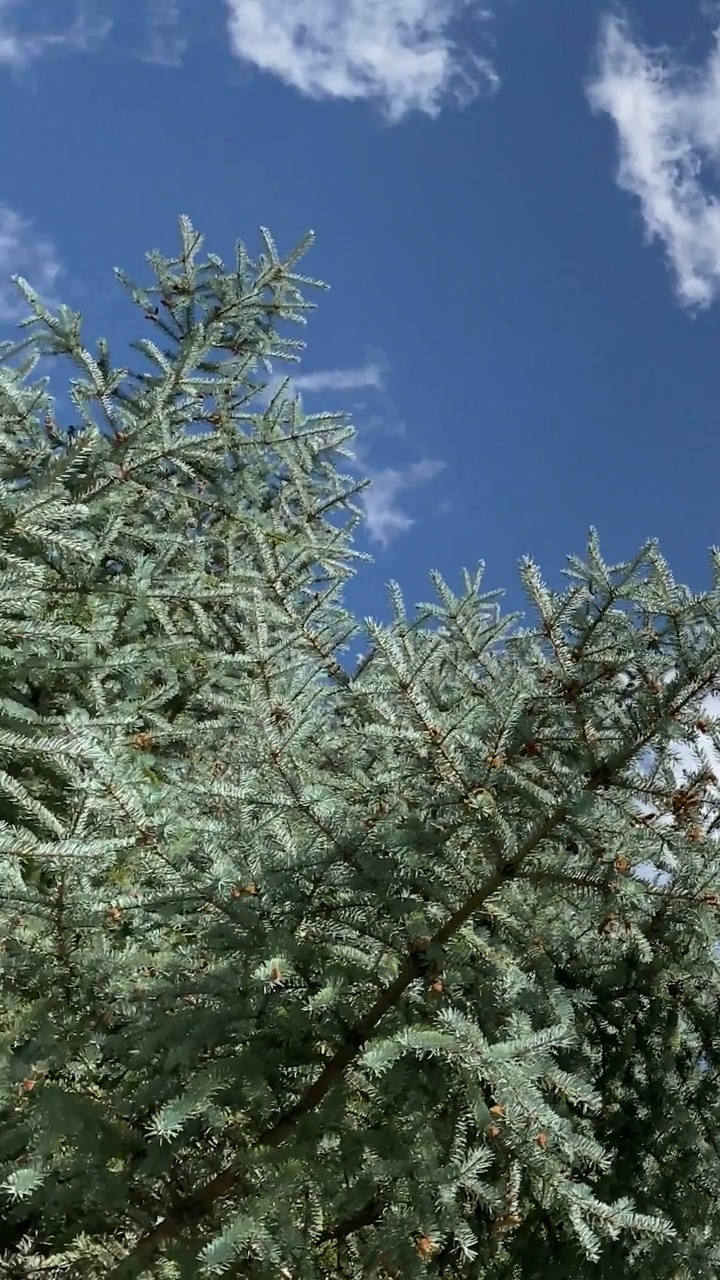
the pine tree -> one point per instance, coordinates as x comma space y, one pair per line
308, 971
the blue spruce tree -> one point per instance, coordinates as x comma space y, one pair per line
313, 972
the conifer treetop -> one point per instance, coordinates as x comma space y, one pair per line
311, 971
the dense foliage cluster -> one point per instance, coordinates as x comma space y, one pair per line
312, 970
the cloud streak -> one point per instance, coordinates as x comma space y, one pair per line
384, 517
368, 376
26, 253
22, 44
399, 54
667, 118
166, 43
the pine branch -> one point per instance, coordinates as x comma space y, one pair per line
196, 1207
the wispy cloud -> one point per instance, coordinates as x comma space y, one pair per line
384, 517
166, 43
369, 375
400, 54
24, 252
667, 118
26, 36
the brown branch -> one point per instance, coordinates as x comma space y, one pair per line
364, 1217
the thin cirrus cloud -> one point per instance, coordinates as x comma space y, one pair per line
400, 54
667, 118
367, 376
24, 252
29, 31
384, 516
166, 43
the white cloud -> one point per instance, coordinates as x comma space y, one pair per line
166, 43
384, 518
703, 753
370, 375
26, 253
667, 118
22, 43
686, 761
398, 53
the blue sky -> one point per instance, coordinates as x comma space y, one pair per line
516, 207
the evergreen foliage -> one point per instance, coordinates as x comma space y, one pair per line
314, 972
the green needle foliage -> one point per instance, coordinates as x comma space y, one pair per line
309, 972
